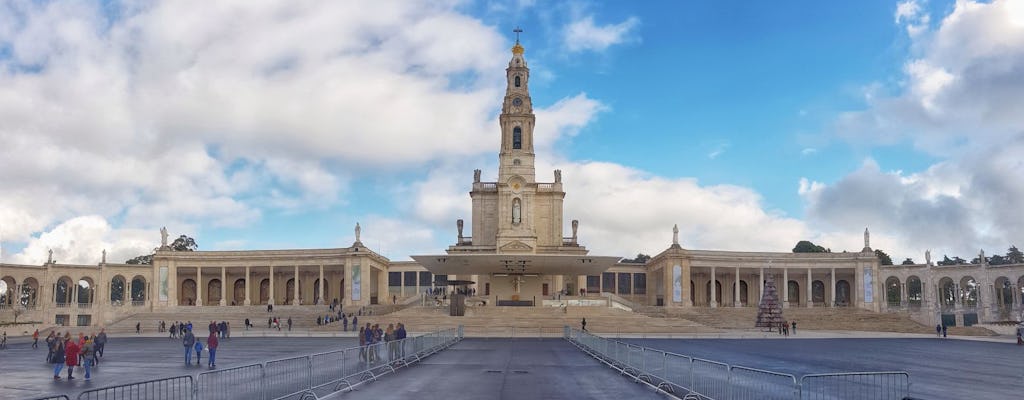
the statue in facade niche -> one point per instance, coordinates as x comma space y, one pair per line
458, 224
163, 237
675, 234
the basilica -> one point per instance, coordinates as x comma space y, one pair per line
516, 254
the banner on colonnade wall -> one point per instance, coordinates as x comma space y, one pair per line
677, 284
163, 283
869, 292
357, 281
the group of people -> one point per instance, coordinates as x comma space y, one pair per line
178, 329
64, 351
786, 327
372, 339
189, 341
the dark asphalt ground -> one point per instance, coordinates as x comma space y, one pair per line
552, 368
939, 368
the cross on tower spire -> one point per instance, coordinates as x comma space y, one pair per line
517, 31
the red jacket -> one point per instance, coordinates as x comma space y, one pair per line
211, 342
71, 353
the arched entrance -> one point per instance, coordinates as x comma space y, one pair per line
693, 297
743, 293
86, 289
718, 292
239, 292
947, 292
842, 293
213, 293
969, 291
316, 290
29, 292
818, 292
794, 293
188, 293
8, 289
915, 292
265, 291
289, 291
62, 294
892, 292
117, 290
138, 289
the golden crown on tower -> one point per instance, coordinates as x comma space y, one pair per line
518, 49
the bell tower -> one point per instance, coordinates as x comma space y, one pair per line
517, 121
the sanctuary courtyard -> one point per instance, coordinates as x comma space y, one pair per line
516, 254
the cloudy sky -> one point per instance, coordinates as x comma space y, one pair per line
752, 125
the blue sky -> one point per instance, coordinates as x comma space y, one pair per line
751, 125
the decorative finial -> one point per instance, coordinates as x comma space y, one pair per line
359, 230
518, 48
675, 234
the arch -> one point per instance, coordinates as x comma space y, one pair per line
117, 290
969, 291
289, 291
265, 291
213, 291
86, 290
62, 293
188, 292
138, 288
718, 292
818, 292
517, 138
342, 286
316, 290
794, 292
8, 290
947, 292
238, 296
915, 291
517, 81
842, 293
29, 292
693, 297
892, 291
744, 298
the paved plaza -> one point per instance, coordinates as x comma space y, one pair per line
552, 368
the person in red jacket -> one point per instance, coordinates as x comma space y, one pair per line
211, 344
71, 350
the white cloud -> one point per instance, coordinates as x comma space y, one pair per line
81, 240
583, 35
808, 151
912, 14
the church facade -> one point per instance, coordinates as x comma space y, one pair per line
516, 255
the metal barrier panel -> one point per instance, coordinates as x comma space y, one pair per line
677, 370
179, 387
635, 357
756, 384
856, 386
654, 363
709, 378
53, 397
283, 378
233, 383
327, 368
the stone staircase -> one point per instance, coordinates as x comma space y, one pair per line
303, 317
531, 321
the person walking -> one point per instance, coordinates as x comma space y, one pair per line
188, 340
400, 335
35, 339
57, 359
1020, 334
793, 324
71, 350
943, 330
51, 341
246, 324
362, 344
584, 324
138, 328
289, 324
344, 323
211, 343
938, 329
199, 350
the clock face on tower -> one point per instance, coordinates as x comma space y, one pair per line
517, 102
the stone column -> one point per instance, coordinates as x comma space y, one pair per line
247, 278
904, 296
199, 286
785, 287
270, 299
736, 286
295, 300
224, 286
760, 293
832, 291
321, 289
810, 290
714, 291
346, 275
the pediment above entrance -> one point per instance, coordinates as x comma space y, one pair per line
516, 247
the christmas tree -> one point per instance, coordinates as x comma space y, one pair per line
769, 313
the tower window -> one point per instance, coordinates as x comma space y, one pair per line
517, 138
517, 80
516, 162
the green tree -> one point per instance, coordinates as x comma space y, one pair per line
908, 261
946, 261
184, 243
641, 258
805, 246
959, 261
883, 259
143, 259
1014, 256
996, 260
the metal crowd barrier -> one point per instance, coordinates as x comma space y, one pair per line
310, 376
699, 379
53, 397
